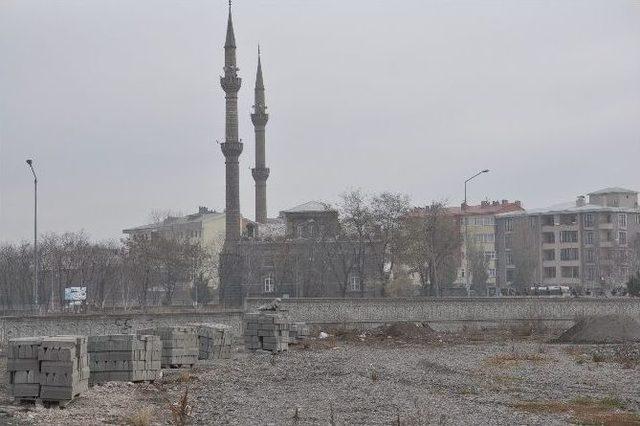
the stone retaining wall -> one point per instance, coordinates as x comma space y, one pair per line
448, 313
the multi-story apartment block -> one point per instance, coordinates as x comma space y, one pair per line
583, 245
205, 226
477, 227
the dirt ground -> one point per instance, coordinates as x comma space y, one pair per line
374, 379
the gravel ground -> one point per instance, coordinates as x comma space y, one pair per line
371, 382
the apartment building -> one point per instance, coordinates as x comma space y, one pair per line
477, 227
206, 226
586, 245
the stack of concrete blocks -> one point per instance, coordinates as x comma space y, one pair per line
214, 341
23, 368
124, 358
298, 331
266, 330
179, 345
64, 367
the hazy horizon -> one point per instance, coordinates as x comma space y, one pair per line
120, 106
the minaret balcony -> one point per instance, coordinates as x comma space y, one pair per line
230, 83
259, 118
231, 149
260, 175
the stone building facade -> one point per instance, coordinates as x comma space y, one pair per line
587, 245
304, 254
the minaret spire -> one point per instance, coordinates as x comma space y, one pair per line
232, 146
231, 39
260, 172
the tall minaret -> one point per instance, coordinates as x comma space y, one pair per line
260, 172
231, 147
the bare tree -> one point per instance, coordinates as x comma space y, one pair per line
388, 213
433, 246
478, 265
522, 244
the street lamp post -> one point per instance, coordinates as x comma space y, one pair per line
466, 234
35, 233
472, 177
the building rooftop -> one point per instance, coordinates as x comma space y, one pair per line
201, 215
494, 207
613, 190
311, 206
570, 207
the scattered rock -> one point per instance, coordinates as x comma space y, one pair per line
602, 329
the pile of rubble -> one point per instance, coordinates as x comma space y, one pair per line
125, 357
602, 329
179, 345
298, 331
214, 341
266, 330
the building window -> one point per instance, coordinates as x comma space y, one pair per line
550, 272
638, 219
548, 220
549, 254
508, 225
622, 220
589, 255
533, 221
589, 237
591, 273
489, 256
569, 236
605, 218
606, 235
568, 219
622, 238
570, 272
507, 241
354, 282
485, 238
488, 221
492, 273
548, 237
625, 273
269, 285
510, 274
588, 220
569, 254
509, 258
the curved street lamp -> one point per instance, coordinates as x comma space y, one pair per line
472, 177
35, 233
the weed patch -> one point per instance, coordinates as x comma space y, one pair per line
512, 358
585, 410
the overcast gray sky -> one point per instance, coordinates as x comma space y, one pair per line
120, 106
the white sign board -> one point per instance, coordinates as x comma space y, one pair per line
75, 294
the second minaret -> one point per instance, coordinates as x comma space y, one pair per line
260, 172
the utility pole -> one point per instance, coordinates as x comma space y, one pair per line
35, 233
466, 230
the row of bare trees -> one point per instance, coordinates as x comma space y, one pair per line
134, 272
392, 249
